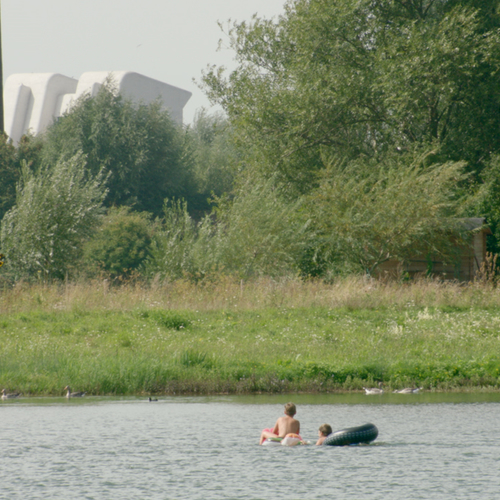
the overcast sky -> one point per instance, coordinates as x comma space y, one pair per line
169, 40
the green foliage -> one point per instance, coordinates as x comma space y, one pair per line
11, 158
167, 319
9, 175
190, 359
30, 150
214, 153
365, 214
56, 208
361, 214
489, 203
120, 244
260, 232
257, 233
363, 78
140, 147
175, 246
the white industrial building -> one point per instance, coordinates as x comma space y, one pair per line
32, 101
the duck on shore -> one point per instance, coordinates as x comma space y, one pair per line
10, 396
374, 390
70, 394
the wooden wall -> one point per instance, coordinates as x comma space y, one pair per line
464, 268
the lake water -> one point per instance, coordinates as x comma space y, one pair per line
430, 446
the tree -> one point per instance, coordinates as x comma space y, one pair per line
11, 159
173, 255
9, 175
214, 153
255, 233
56, 209
260, 232
363, 78
140, 147
120, 244
365, 214
489, 201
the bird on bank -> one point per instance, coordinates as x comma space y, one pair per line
408, 390
10, 396
70, 394
152, 400
374, 390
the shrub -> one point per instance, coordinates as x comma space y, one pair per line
120, 244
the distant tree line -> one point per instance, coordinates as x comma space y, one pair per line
353, 133
88, 195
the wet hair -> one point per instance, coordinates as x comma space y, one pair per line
325, 429
290, 409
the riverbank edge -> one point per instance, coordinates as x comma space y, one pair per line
195, 390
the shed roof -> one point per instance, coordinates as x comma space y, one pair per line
472, 223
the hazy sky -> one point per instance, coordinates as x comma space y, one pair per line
169, 40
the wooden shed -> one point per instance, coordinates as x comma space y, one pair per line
465, 268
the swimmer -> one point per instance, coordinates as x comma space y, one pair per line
284, 425
324, 431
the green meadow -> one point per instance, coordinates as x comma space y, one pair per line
234, 337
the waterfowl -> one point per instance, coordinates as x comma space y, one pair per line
10, 396
408, 390
374, 390
152, 400
70, 394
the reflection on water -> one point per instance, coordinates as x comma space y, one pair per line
439, 446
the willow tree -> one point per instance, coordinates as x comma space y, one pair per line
363, 78
56, 209
364, 214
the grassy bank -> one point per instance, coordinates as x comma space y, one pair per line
235, 337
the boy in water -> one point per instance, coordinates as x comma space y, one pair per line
284, 425
324, 431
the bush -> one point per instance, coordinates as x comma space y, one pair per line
120, 244
257, 233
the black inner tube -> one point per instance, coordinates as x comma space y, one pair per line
353, 435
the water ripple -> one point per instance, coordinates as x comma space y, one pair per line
178, 450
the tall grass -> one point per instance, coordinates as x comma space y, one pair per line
261, 336
226, 293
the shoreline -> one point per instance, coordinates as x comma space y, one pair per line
282, 395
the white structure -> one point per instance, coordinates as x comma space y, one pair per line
33, 100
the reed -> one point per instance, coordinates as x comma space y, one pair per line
267, 335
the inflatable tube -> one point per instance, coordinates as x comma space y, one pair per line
289, 440
272, 442
353, 435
